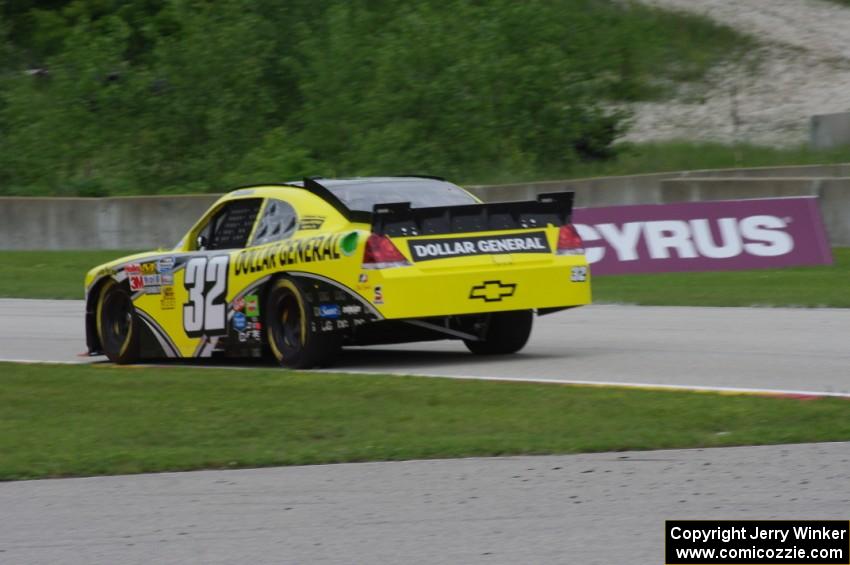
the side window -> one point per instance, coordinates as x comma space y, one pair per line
231, 226
278, 221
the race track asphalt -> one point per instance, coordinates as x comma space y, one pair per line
783, 349
576, 509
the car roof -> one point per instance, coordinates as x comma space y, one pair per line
351, 181
332, 192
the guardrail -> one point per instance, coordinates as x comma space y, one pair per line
146, 222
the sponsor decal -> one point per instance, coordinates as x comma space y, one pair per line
329, 311
492, 291
239, 322
578, 274
703, 236
288, 252
348, 244
166, 302
352, 309
379, 295
167, 278
428, 249
327, 326
252, 306
238, 304
311, 222
165, 265
134, 276
143, 278
363, 278
342, 324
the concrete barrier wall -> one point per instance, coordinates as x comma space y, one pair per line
828, 131
149, 222
144, 222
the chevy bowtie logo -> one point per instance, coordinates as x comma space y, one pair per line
492, 291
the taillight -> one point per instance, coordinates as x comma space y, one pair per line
569, 241
381, 253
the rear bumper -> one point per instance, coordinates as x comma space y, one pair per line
415, 292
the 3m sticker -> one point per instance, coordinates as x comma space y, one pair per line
134, 276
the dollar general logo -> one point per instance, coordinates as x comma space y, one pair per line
492, 291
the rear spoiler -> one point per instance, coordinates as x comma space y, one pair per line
400, 220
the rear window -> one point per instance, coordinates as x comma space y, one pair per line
421, 193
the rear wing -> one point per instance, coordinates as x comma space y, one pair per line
400, 220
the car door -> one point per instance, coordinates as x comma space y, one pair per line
189, 314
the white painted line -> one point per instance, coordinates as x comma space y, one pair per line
41, 362
647, 386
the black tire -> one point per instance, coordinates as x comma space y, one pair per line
117, 324
288, 323
505, 333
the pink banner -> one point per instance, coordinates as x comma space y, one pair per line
724, 235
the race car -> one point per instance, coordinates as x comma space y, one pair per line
298, 270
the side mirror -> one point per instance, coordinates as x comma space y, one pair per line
201, 242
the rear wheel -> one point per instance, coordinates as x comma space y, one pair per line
505, 332
117, 324
289, 322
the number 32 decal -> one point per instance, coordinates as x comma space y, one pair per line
206, 280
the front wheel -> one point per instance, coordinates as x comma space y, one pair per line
289, 322
505, 332
117, 324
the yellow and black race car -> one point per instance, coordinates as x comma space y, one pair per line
299, 270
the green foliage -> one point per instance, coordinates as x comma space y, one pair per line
114, 97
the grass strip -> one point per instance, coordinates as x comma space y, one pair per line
49, 274
63, 420
801, 286
59, 274
668, 156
